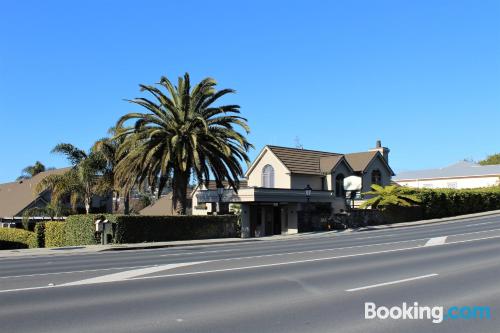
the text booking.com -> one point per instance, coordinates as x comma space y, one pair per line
437, 314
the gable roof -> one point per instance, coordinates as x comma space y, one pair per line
327, 164
360, 161
16, 196
302, 161
460, 169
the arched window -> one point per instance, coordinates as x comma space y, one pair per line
339, 186
268, 176
376, 177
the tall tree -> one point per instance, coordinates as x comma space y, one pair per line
32, 170
181, 133
82, 182
491, 160
108, 148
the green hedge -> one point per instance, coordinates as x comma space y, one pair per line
80, 229
137, 229
55, 234
40, 234
438, 203
12, 238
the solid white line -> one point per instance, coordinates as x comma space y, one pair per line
264, 265
474, 225
72, 272
436, 241
120, 276
392, 282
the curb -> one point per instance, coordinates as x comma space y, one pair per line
160, 246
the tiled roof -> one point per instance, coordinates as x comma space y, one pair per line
359, 161
16, 196
315, 162
460, 169
301, 160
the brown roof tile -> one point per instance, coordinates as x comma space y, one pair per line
16, 196
359, 161
301, 160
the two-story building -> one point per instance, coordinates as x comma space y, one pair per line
274, 200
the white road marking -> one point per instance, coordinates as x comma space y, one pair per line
120, 276
263, 265
476, 224
436, 241
72, 272
392, 282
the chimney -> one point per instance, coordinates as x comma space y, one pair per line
383, 150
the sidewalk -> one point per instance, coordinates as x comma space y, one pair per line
89, 249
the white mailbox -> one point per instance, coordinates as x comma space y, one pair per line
98, 225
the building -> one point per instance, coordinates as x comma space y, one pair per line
459, 175
274, 200
19, 196
164, 205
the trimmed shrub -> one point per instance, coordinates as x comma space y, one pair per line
40, 234
55, 234
438, 203
80, 229
11, 238
137, 229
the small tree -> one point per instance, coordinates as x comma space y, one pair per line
86, 178
389, 196
491, 160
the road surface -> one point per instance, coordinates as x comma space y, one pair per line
316, 283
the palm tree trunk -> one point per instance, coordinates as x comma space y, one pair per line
87, 202
179, 197
126, 203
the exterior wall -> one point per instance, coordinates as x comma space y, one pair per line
367, 176
281, 174
299, 182
198, 211
473, 182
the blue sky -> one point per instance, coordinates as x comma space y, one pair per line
422, 76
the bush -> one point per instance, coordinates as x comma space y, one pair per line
11, 238
438, 203
80, 229
55, 234
137, 229
40, 234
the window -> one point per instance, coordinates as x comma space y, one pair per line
376, 177
339, 186
268, 176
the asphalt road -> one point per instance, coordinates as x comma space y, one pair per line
317, 283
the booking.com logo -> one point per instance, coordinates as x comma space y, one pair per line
435, 313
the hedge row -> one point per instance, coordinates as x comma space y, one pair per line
437, 203
11, 238
80, 229
55, 234
137, 229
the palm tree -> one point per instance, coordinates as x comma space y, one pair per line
389, 196
32, 170
182, 135
108, 148
84, 180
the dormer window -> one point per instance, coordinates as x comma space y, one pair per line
268, 176
376, 177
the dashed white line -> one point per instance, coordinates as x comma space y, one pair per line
393, 282
436, 241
